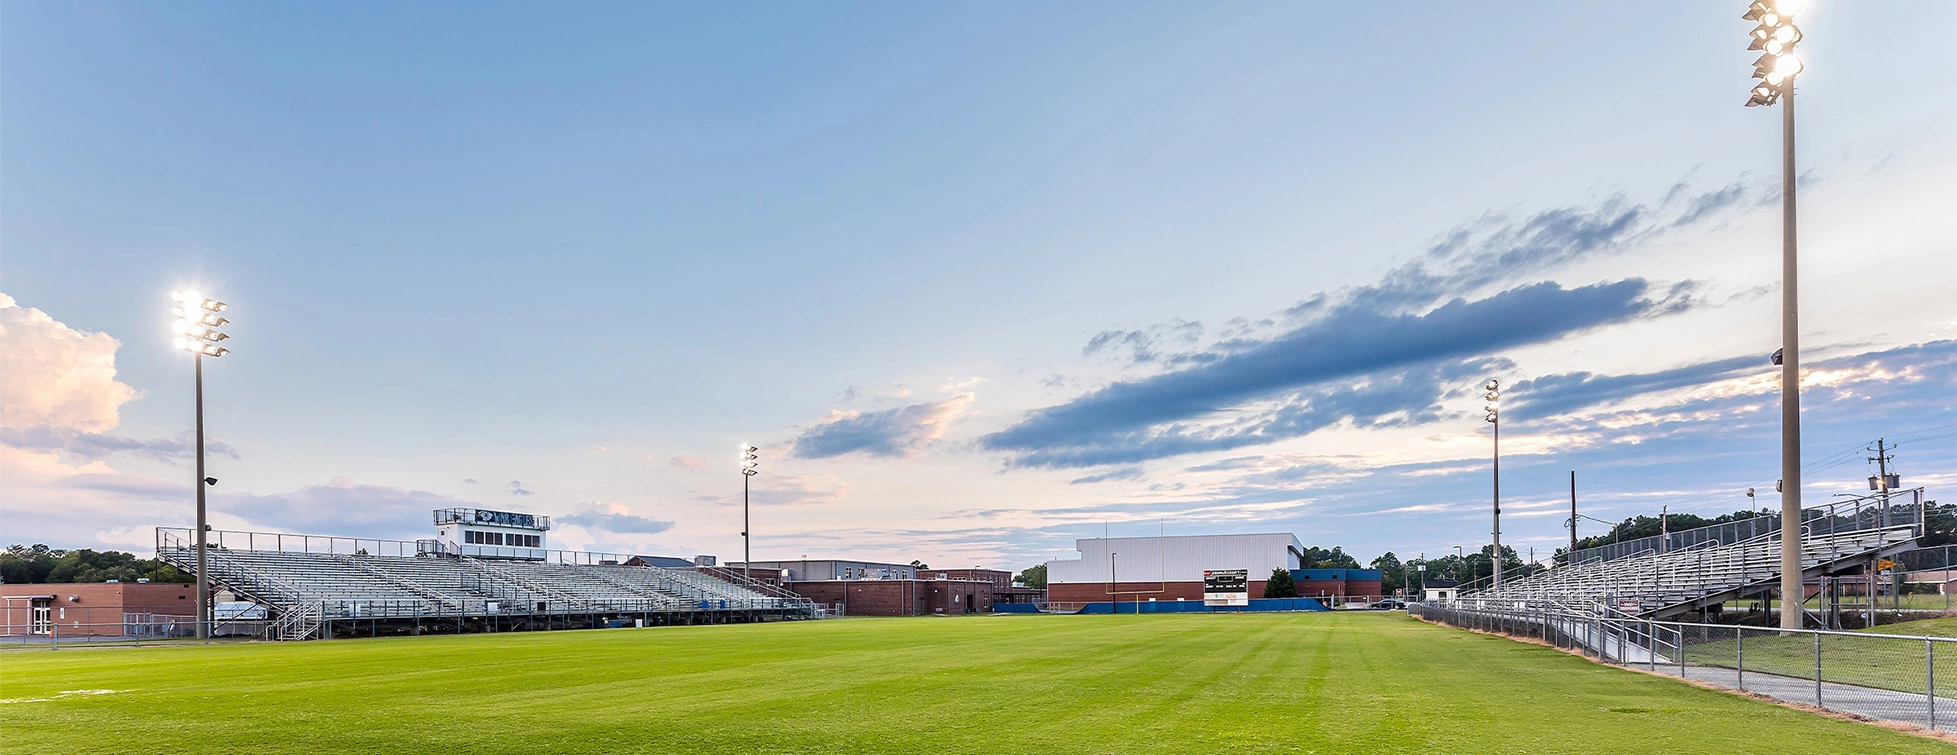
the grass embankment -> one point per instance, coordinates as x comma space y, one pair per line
1323, 683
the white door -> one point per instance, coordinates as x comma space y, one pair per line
41, 618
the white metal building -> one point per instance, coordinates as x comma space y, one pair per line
1181, 558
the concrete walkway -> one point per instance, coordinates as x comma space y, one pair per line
1886, 705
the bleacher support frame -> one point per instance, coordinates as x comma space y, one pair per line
1694, 571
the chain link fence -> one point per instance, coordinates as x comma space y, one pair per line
1879, 676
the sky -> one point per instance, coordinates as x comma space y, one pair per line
978, 280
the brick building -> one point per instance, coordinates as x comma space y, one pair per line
95, 609
897, 597
1333, 583
998, 578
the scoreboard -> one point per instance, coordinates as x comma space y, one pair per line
1226, 587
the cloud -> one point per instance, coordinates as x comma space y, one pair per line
1552, 395
890, 433
613, 517
1124, 473
89, 445
57, 377
516, 488
1147, 345
339, 507
469, 481
689, 463
1351, 362
1381, 354
785, 490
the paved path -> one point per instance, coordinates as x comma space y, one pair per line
1881, 704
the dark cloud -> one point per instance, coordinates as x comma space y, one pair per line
102, 445
516, 488
1352, 362
898, 432
1551, 395
1374, 355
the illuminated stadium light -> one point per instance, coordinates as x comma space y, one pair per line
1776, 36
196, 327
1492, 414
748, 463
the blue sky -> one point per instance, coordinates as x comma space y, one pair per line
978, 280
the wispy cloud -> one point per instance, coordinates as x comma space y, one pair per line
89, 445
516, 488
890, 433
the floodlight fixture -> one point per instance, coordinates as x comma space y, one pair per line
196, 328
1777, 35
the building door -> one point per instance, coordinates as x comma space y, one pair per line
41, 617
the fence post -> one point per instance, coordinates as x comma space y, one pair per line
1651, 645
1817, 669
1930, 679
1739, 656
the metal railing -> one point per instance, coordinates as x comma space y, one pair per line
1899, 507
1884, 676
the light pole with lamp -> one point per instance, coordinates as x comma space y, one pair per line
197, 323
748, 463
1494, 417
1776, 35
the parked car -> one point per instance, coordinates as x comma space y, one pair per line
1390, 605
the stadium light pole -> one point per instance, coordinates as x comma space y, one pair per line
1776, 35
196, 325
1461, 557
748, 463
1494, 418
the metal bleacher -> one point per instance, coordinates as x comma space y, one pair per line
309, 581
1839, 537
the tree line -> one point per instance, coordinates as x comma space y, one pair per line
38, 563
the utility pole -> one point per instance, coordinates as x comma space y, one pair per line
1665, 529
1572, 558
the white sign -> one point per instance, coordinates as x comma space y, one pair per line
1226, 587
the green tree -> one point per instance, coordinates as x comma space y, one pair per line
1034, 577
1392, 573
1318, 558
1280, 585
40, 563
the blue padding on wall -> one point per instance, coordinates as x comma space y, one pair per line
1197, 606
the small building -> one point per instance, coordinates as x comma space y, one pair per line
897, 597
1441, 590
1337, 583
664, 562
99, 609
999, 579
1018, 595
482, 533
825, 569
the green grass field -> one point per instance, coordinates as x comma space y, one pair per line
1282, 683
